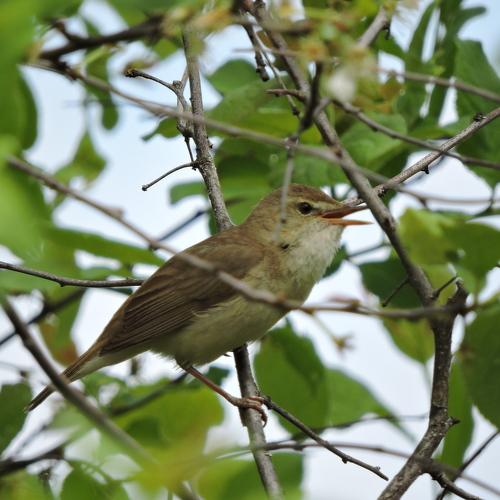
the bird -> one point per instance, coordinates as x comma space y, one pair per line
187, 314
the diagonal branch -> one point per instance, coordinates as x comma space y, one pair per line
71, 394
439, 421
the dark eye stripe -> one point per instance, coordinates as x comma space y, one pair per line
305, 208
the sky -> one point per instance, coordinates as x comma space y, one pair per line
397, 382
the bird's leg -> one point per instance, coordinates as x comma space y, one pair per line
253, 402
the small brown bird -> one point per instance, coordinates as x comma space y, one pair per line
187, 314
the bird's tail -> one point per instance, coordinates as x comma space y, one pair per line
75, 371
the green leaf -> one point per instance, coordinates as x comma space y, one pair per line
186, 189
459, 436
480, 357
350, 399
289, 370
232, 478
251, 107
232, 75
473, 67
87, 164
97, 244
23, 486
183, 417
433, 238
410, 103
166, 128
13, 399
413, 338
98, 66
371, 148
79, 485
21, 205
383, 277
56, 332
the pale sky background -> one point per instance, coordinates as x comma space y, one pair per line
395, 380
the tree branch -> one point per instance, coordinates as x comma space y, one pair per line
439, 421
353, 110
149, 29
71, 281
207, 168
72, 395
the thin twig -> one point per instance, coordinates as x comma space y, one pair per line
61, 280
396, 290
260, 64
192, 164
459, 472
322, 442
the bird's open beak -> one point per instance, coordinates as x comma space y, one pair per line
336, 215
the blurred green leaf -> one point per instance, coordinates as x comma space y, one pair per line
289, 370
232, 478
13, 399
97, 244
480, 357
414, 338
232, 75
473, 67
186, 189
383, 277
87, 163
23, 486
56, 332
183, 417
166, 128
81, 485
459, 436
98, 67
371, 148
21, 205
410, 103
350, 399
433, 238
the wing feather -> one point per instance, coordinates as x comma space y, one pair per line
172, 297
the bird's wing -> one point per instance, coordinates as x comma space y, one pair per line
175, 293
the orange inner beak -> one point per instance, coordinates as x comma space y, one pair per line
336, 215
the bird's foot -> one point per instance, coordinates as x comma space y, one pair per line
250, 402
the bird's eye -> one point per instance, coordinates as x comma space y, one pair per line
305, 208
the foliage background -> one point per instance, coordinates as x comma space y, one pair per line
102, 150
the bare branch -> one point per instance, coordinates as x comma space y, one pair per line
322, 442
71, 281
191, 164
380, 23
149, 29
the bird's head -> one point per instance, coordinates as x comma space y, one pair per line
304, 214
